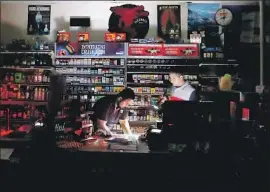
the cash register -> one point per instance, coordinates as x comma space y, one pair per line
180, 125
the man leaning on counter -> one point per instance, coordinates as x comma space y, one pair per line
110, 110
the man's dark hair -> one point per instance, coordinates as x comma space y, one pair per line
127, 93
176, 71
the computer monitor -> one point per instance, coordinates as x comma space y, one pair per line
179, 121
178, 112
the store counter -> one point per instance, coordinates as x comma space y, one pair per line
117, 143
115, 162
6, 142
140, 147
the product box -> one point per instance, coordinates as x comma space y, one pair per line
63, 37
83, 37
115, 37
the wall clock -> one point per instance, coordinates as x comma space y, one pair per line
223, 17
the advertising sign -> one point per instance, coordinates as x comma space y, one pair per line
90, 49
39, 17
173, 50
130, 19
115, 37
145, 50
169, 22
181, 50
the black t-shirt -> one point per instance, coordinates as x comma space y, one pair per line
107, 109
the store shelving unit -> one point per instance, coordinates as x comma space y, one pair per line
213, 66
148, 66
92, 75
24, 84
210, 73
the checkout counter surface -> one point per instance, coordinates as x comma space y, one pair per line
116, 144
102, 159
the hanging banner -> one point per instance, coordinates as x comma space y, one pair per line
190, 51
39, 17
90, 49
169, 22
182, 50
145, 50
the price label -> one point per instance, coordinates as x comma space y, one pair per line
74, 83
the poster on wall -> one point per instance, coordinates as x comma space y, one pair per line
39, 19
169, 22
130, 19
201, 17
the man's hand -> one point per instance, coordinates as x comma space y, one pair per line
162, 100
104, 132
103, 129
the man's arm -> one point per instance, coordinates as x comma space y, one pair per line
102, 125
124, 123
101, 110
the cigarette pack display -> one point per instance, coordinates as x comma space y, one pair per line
89, 76
148, 67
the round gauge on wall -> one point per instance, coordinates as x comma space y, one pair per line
223, 17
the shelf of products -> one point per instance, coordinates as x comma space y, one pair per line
148, 75
89, 76
24, 87
90, 93
211, 72
26, 59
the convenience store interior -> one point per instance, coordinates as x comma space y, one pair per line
97, 49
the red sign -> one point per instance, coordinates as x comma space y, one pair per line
181, 50
145, 50
110, 37
176, 50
